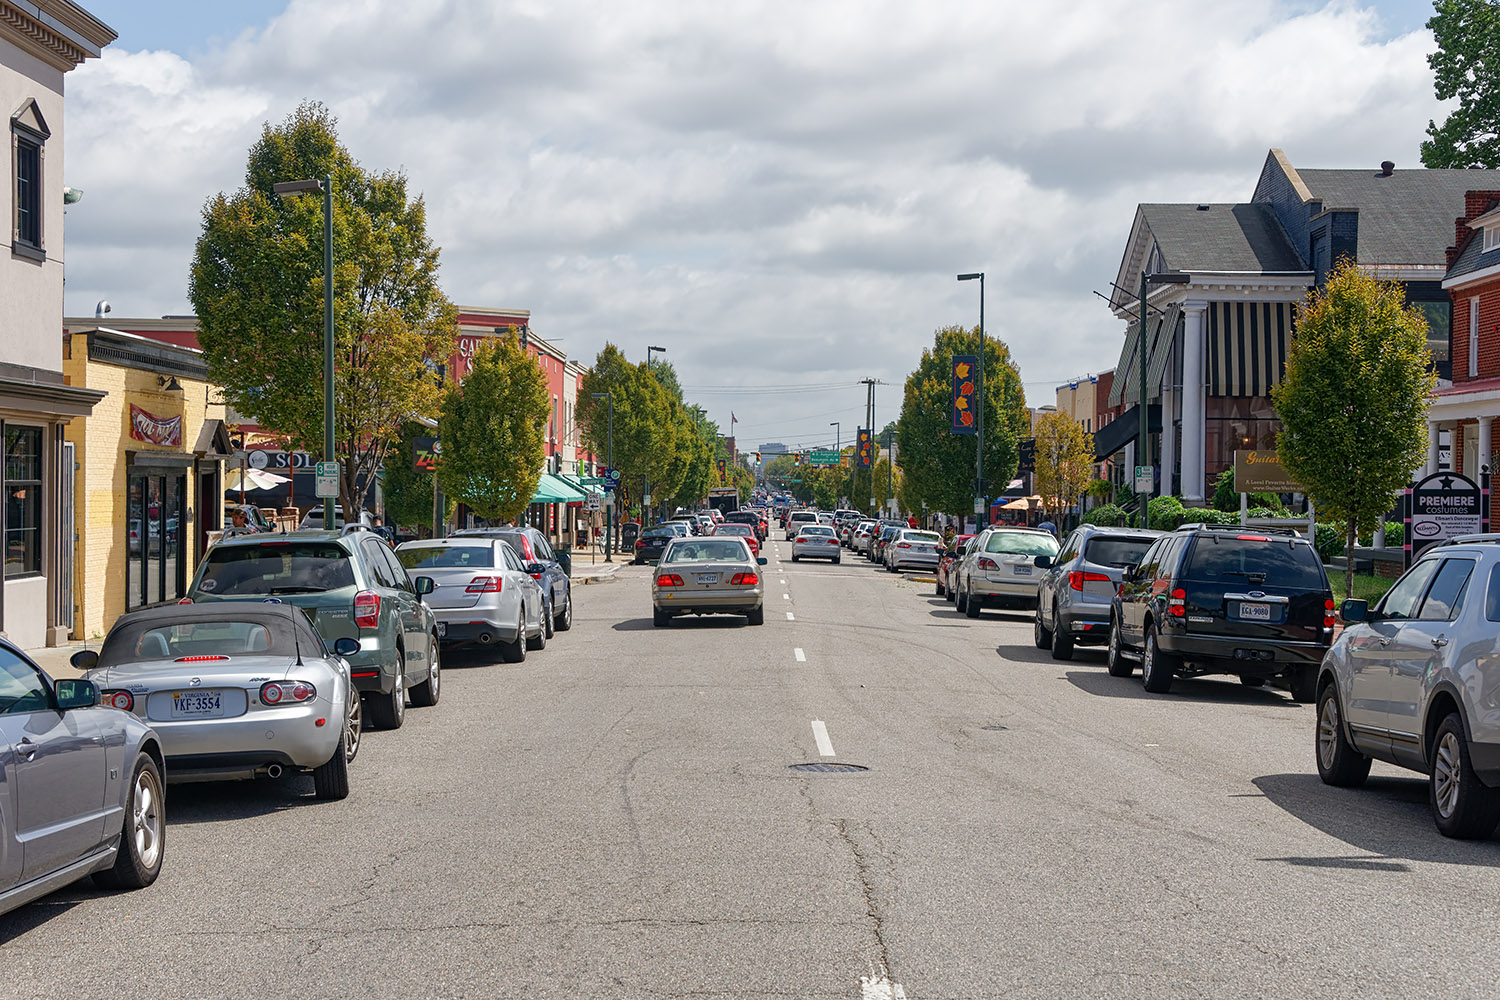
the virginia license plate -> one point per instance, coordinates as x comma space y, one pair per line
442, 629
197, 704
708, 578
1255, 612
1022, 570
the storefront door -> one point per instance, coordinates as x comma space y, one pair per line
154, 538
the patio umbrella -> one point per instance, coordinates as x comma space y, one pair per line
252, 479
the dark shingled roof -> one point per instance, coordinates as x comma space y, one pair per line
1406, 218
1222, 238
1474, 257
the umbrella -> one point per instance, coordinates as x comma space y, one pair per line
1022, 504
253, 479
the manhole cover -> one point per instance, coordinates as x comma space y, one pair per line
829, 767
993, 729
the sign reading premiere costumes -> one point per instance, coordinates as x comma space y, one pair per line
1439, 507
152, 429
1261, 472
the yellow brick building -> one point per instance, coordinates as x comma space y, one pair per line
148, 486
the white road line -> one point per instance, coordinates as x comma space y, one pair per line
801, 656
820, 734
790, 617
878, 986
786, 597
782, 582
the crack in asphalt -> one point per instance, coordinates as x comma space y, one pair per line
867, 888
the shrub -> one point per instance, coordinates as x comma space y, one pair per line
1227, 500
1328, 540
1105, 515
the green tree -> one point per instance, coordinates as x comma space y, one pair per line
1064, 461
493, 430
695, 457
1466, 67
938, 464
646, 423
887, 482
1353, 400
408, 493
257, 287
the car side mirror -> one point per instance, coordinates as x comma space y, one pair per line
76, 694
761, 561
423, 585
1355, 610
346, 646
84, 659
535, 569
1127, 575
1042, 562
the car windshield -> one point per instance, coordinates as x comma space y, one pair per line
1116, 551
707, 550
228, 638
446, 556
275, 568
661, 533
1236, 559
1021, 543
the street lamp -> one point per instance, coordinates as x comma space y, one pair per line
1159, 278
311, 187
609, 521
982, 506
646, 493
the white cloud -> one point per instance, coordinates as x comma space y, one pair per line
778, 192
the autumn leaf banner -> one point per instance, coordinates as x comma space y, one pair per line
965, 392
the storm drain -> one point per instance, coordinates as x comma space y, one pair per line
828, 768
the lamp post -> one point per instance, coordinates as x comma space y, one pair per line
646, 493
982, 505
1159, 278
310, 187
609, 521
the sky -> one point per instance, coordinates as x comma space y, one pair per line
781, 194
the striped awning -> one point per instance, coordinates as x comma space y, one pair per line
1127, 366
1247, 346
1161, 349
1161, 329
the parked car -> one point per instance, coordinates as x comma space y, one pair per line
313, 519
1208, 599
745, 531
548, 567
797, 519
481, 594
1413, 682
351, 586
999, 568
863, 534
80, 787
888, 531
1078, 587
816, 541
688, 521
911, 548
653, 542
944, 572
702, 576
232, 690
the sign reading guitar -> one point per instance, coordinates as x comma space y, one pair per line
150, 428
1261, 472
1442, 506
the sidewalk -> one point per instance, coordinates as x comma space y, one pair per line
600, 572
54, 659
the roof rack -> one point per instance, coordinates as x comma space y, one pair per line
349, 529
1258, 529
1479, 539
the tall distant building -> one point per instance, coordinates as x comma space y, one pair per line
772, 446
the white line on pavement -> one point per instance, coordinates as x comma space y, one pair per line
790, 617
820, 734
786, 597
878, 986
782, 582
801, 656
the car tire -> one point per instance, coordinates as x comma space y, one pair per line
758, 616
1462, 806
1339, 764
973, 605
1117, 664
547, 619
1062, 642
142, 831
1039, 635
795, 557
538, 642
837, 560
388, 711
1156, 666
960, 602
331, 778
426, 694
1303, 682
564, 621
660, 618
515, 650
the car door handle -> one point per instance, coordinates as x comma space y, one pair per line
26, 748
1384, 642
1440, 642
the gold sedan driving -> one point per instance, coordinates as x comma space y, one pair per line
707, 576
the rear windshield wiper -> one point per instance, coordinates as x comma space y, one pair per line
1252, 577
298, 590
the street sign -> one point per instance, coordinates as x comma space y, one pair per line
593, 480
1145, 479
979, 505
610, 477
328, 479
825, 458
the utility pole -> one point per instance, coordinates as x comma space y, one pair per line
869, 384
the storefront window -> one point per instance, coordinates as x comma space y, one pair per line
23, 500
154, 539
1236, 423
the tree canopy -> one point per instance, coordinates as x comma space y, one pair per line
1466, 68
1064, 461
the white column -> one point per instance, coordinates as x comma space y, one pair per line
1192, 402
1168, 441
1482, 460
1432, 449
1130, 463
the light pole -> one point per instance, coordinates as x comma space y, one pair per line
982, 503
646, 493
609, 521
310, 187
1142, 454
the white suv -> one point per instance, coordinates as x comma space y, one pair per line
798, 520
1000, 567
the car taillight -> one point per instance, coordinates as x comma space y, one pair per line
279, 692
1078, 578
903, 545
1328, 621
366, 609
484, 585
833, 541
186, 600
199, 659
744, 580
123, 700
985, 562
1176, 603
669, 580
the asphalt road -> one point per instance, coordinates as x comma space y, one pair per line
617, 817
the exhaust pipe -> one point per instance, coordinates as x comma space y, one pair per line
484, 638
273, 771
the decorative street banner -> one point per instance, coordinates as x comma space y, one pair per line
864, 452
155, 430
425, 454
723, 472
965, 392
1440, 507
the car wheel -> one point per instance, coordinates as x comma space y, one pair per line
758, 616
143, 833
960, 602
1062, 642
564, 621
331, 778
973, 605
1156, 666
794, 557
1117, 664
388, 711
1461, 805
547, 620
1338, 762
837, 560
1040, 635
660, 618
425, 694
515, 650
538, 642
1304, 683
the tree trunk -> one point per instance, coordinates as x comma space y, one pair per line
1349, 529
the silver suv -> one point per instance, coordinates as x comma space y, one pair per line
1415, 682
1075, 593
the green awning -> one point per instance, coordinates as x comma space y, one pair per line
552, 489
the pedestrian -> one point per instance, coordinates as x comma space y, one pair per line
1047, 525
912, 522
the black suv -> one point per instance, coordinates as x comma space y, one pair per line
1214, 599
749, 517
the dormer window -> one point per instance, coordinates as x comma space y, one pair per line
1492, 238
28, 138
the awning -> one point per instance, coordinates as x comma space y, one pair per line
1161, 334
552, 489
1119, 432
1247, 346
1161, 350
1129, 362
213, 441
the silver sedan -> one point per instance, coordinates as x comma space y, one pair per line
481, 594
706, 576
816, 541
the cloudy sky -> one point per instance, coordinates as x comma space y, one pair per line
778, 193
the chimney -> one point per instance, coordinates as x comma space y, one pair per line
1387, 168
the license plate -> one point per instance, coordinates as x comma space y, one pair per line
708, 578
1255, 612
1022, 570
442, 629
196, 704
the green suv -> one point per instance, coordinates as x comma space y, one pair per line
350, 584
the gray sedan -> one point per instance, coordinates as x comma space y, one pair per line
62, 758
706, 576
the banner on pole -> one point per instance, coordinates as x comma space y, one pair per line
864, 451
965, 392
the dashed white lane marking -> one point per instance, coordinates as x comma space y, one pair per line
782, 582
790, 617
878, 986
820, 734
786, 597
801, 656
